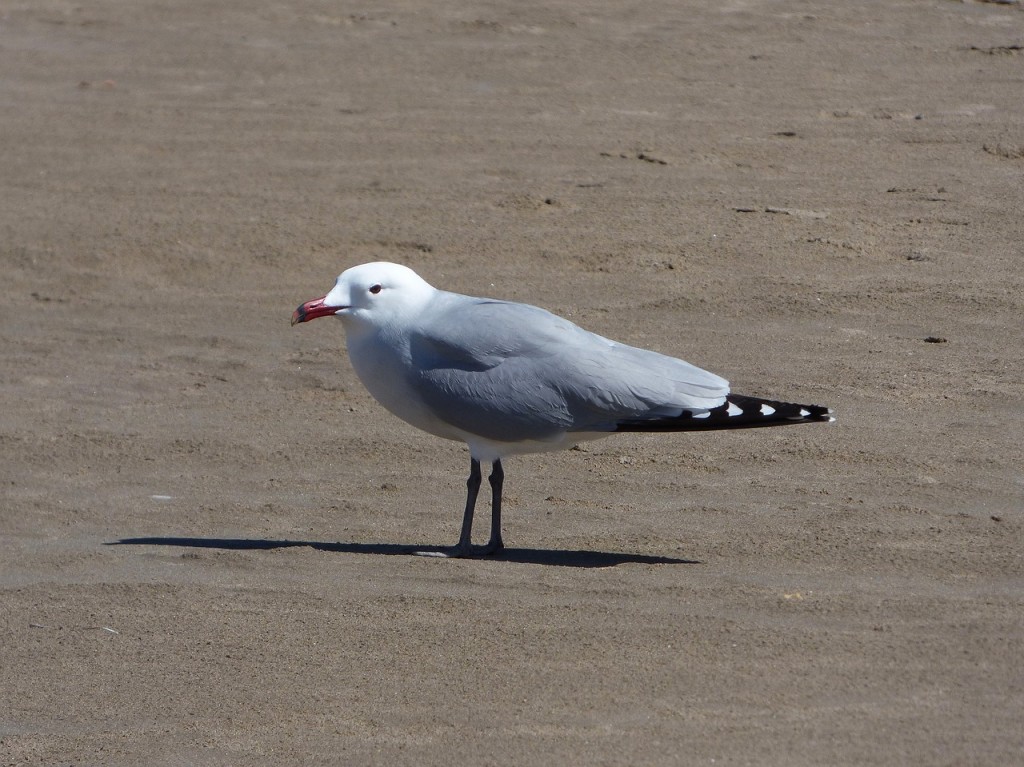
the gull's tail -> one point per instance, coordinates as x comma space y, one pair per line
737, 412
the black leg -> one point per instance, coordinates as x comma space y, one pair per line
464, 548
496, 479
472, 488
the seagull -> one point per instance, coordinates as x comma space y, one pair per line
508, 378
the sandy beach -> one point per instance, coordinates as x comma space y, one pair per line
205, 519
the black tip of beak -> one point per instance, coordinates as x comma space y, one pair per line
313, 309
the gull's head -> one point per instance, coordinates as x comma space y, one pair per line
375, 294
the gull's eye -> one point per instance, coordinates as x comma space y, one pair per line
375, 289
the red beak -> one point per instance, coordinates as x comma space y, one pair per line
313, 309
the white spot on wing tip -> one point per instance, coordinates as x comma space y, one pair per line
804, 412
767, 410
733, 410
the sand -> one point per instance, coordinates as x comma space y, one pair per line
205, 518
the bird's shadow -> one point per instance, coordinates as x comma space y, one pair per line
554, 557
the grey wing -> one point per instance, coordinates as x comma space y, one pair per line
510, 372
480, 366
625, 383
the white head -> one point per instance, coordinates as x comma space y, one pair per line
372, 294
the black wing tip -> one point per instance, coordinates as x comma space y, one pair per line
737, 412
773, 410
816, 413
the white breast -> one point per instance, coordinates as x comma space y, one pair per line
384, 370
